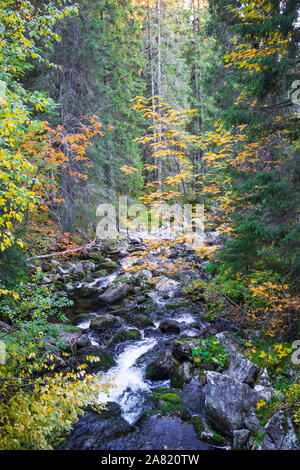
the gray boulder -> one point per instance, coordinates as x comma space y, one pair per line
169, 326
165, 285
279, 434
104, 322
163, 368
240, 437
114, 293
228, 402
240, 368
5, 328
186, 371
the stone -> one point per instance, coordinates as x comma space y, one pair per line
155, 432
5, 328
186, 371
252, 422
142, 321
126, 335
240, 437
163, 368
144, 274
94, 429
103, 322
279, 434
114, 293
240, 368
228, 402
83, 341
169, 326
182, 350
67, 336
263, 378
265, 393
166, 285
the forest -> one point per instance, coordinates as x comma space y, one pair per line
171, 324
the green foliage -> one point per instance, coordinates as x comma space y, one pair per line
35, 303
38, 402
210, 352
20, 47
287, 401
275, 356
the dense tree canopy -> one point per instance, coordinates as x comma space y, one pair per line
161, 101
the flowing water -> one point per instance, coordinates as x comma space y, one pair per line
129, 386
127, 379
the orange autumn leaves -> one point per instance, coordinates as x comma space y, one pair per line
55, 148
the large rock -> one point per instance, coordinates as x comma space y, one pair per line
71, 339
166, 285
240, 437
104, 322
279, 434
126, 335
163, 368
169, 326
156, 432
142, 321
114, 293
228, 402
94, 429
240, 368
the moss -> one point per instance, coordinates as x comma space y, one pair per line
183, 340
143, 322
125, 335
209, 317
218, 438
198, 424
150, 372
176, 409
70, 328
149, 411
182, 303
149, 310
177, 381
171, 397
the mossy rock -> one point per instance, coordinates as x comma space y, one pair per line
96, 256
171, 397
149, 411
106, 321
199, 425
109, 265
56, 328
177, 381
106, 361
209, 317
182, 303
143, 321
126, 335
169, 326
175, 409
100, 273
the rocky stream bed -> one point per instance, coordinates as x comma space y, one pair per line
144, 335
